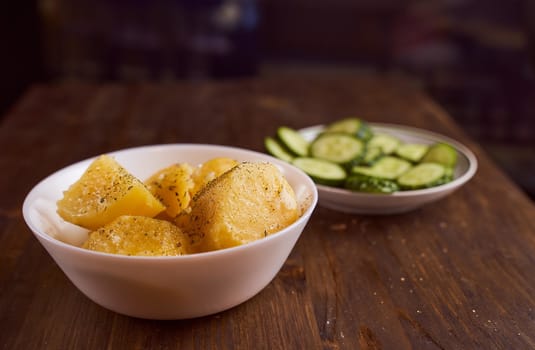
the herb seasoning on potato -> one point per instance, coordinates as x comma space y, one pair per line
249, 202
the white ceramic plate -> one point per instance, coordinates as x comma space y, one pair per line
403, 201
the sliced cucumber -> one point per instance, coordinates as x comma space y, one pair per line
321, 171
353, 126
450, 174
423, 175
441, 153
371, 155
363, 183
387, 167
347, 125
365, 133
412, 151
277, 150
347, 154
387, 143
448, 177
293, 141
337, 147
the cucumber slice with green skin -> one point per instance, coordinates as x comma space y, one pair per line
449, 173
353, 126
371, 155
363, 183
365, 133
277, 150
321, 171
412, 151
441, 153
387, 143
423, 175
337, 147
448, 177
387, 167
293, 141
347, 125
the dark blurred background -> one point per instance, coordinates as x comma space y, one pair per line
474, 57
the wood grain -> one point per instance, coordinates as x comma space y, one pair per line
456, 274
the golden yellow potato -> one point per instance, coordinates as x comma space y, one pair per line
139, 235
104, 192
247, 203
172, 186
209, 170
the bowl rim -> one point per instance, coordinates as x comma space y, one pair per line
303, 218
463, 178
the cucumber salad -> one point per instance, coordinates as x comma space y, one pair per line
349, 154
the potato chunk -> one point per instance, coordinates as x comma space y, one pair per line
138, 235
172, 186
249, 202
104, 192
209, 170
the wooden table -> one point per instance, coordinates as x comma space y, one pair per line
456, 274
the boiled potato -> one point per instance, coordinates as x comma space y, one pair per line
246, 203
139, 235
104, 192
209, 170
172, 186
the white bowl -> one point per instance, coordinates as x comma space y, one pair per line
403, 201
165, 287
